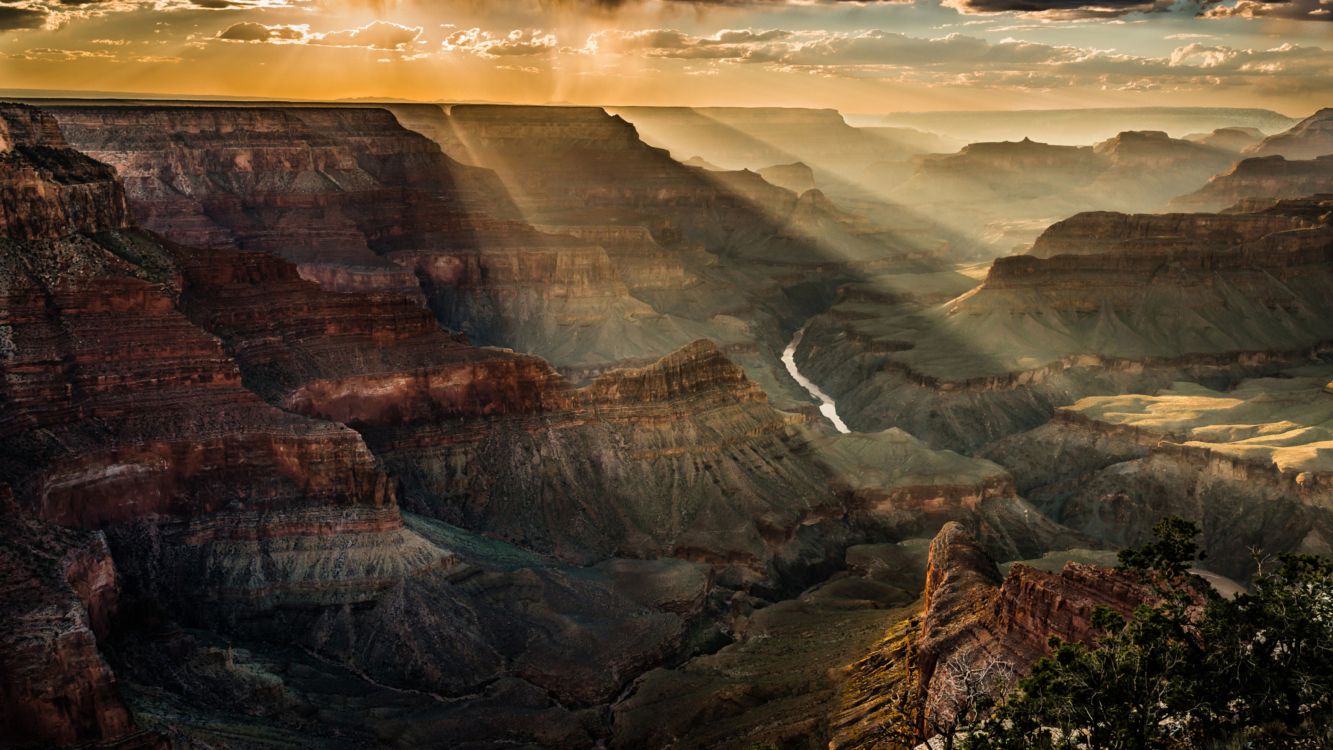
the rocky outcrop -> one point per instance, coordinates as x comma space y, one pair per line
333, 190
48, 189
796, 177
60, 591
1235, 140
1308, 139
1247, 465
1106, 303
972, 617
1264, 178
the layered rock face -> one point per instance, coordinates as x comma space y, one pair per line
47, 189
752, 138
1011, 190
60, 592
753, 259
333, 190
1266, 178
1249, 465
240, 519
972, 617
1106, 303
1308, 139
361, 204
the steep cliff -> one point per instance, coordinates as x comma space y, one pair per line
1105, 303
333, 190
119, 411
48, 189
1268, 178
1249, 465
360, 203
1308, 139
971, 618
753, 259
1010, 190
60, 592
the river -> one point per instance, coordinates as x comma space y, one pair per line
826, 405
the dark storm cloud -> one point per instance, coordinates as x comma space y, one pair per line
20, 18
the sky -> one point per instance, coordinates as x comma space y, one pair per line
858, 57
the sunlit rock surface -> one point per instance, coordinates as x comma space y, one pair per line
1107, 303
971, 616
1250, 464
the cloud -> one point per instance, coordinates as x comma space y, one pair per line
381, 35
375, 35
249, 31
825, 48
517, 43
958, 60
1297, 10
12, 18
1061, 8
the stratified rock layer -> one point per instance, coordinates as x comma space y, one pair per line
1106, 303
1261, 178
1250, 465
333, 190
971, 617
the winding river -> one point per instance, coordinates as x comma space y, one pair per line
826, 405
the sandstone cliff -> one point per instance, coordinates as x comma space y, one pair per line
970, 617
333, 190
1105, 303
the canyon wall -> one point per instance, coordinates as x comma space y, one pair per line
1268, 178
1247, 465
1106, 303
971, 618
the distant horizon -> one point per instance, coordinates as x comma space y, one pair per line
94, 95
866, 56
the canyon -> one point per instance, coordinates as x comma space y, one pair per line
344, 425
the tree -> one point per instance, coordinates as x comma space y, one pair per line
1170, 553
1191, 670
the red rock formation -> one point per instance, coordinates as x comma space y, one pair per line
333, 190
970, 618
46, 188
58, 593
